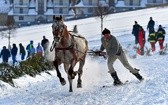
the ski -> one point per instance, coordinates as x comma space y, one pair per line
124, 83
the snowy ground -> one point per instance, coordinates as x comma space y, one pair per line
46, 90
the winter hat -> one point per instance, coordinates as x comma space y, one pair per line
31, 42
106, 31
160, 26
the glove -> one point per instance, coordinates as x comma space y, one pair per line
97, 52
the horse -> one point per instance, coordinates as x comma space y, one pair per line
70, 49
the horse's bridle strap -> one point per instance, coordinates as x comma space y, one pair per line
67, 48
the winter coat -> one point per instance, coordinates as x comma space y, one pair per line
30, 49
151, 25
111, 45
135, 30
39, 50
141, 37
14, 51
5, 54
44, 43
22, 50
161, 34
152, 37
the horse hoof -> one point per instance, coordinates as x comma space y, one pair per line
79, 86
70, 91
63, 82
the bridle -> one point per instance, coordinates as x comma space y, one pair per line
58, 28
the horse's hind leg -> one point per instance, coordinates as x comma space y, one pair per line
62, 80
80, 72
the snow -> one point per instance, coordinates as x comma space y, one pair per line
46, 89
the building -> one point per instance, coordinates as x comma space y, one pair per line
26, 12
42, 11
122, 5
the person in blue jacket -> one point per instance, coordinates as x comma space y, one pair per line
14, 51
30, 49
5, 54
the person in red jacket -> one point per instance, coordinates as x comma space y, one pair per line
141, 41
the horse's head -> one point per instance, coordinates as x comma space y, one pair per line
58, 28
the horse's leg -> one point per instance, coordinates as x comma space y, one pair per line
62, 80
70, 84
71, 76
66, 67
80, 72
71, 72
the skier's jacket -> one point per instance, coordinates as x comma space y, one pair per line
161, 34
152, 37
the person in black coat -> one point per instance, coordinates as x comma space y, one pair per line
151, 25
14, 51
22, 51
45, 44
5, 54
135, 31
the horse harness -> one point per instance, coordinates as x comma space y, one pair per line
71, 47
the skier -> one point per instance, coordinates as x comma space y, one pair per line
115, 51
151, 25
152, 39
141, 40
161, 37
135, 31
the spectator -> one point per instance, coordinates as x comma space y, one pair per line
22, 51
5, 54
135, 31
39, 50
161, 37
14, 51
151, 25
45, 44
30, 49
141, 40
152, 38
